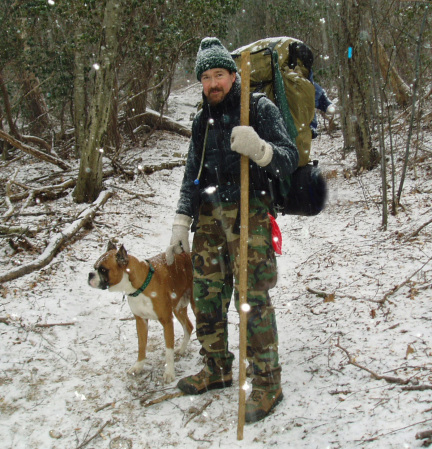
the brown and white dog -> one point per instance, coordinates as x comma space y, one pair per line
155, 291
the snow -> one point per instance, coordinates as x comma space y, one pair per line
61, 384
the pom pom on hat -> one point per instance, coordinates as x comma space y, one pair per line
211, 55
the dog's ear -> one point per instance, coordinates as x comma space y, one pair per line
122, 258
111, 246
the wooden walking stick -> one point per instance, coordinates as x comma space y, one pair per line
244, 233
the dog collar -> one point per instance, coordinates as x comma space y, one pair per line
146, 282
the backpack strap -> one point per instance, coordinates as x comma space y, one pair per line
253, 107
281, 99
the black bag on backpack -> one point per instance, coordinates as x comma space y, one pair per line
302, 193
305, 193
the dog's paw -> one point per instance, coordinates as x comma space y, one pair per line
136, 368
180, 350
168, 376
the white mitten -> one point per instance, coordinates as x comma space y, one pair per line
179, 237
331, 110
245, 140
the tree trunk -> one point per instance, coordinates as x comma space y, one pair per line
33, 96
113, 132
36, 105
89, 183
79, 94
357, 80
8, 108
401, 90
136, 104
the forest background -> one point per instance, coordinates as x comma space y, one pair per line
78, 78
86, 88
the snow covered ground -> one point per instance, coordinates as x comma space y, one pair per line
62, 385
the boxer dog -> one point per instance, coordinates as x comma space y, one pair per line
155, 291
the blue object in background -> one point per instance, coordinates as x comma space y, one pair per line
322, 102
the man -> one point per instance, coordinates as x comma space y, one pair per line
209, 197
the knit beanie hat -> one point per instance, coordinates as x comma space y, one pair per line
211, 55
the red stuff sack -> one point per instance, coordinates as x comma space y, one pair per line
276, 235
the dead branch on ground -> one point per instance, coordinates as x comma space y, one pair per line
135, 194
94, 436
18, 230
58, 241
103, 407
319, 293
325, 295
153, 118
198, 412
23, 243
399, 286
163, 398
36, 153
55, 324
416, 233
38, 141
394, 431
149, 169
389, 379
54, 191
417, 388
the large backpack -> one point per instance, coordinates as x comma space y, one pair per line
280, 68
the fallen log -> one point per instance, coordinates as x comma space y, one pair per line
153, 119
36, 153
54, 189
58, 240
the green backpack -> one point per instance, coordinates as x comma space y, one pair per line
280, 69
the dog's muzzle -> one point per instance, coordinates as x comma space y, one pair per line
95, 281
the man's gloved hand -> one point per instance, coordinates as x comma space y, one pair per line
245, 140
331, 110
179, 237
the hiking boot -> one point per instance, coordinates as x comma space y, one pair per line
261, 402
204, 381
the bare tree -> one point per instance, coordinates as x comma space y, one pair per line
354, 81
89, 183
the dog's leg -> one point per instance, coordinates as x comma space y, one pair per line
168, 327
142, 331
183, 318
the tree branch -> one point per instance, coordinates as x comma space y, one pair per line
389, 379
59, 239
55, 324
416, 233
163, 398
39, 154
398, 287
94, 436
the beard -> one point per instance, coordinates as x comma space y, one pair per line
215, 96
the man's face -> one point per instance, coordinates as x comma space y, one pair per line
216, 84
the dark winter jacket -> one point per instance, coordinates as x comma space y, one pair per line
220, 174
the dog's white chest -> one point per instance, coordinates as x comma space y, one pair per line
142, 306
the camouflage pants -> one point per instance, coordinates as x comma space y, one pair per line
216, 265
